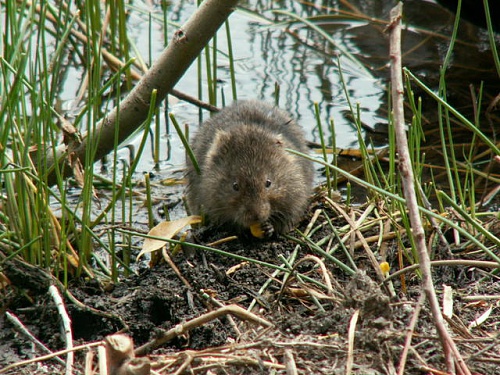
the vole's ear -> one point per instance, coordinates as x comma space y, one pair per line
278, 140
219, 146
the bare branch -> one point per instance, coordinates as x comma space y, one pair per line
187, 42
408, 180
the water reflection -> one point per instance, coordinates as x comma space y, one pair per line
270, 50
304, 63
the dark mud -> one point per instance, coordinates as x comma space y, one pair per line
310, 325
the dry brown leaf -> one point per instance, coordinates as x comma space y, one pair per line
166, 229
77, 167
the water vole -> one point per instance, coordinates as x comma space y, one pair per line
247, 177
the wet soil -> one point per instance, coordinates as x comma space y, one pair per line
310, 327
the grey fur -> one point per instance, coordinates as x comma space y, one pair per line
247, 177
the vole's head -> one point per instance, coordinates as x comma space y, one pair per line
248, 177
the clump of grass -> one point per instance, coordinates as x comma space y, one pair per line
41, 223
381, 177
95, 38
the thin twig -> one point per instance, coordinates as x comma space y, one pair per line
359, 235
447, 263
411, 328
14, 320
49, 356
174, 267
181, 329
408, 181
187, 362
350, 348
66, 322
291, 367
324, 272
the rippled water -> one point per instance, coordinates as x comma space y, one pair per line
306, 66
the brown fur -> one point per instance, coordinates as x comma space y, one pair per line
247, 177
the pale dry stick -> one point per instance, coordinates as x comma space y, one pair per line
313, 220
488, 196
480, 298
485, 349
204, 369
224, 351
353, 224
287, 276
49, 356
417, 355
14, 320
102, 360
89, 364
348, 227
229, 317
187, 362
408, 181
350, 342
181, 329
291, 366
378, 238
222, 240
432, 371
384, 228
66, 322
409, 336
291, 259
187, 43
165, 364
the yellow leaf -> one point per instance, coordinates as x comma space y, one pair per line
166, 229
256, 230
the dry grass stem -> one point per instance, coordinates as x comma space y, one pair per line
373, 260
181, 329
50, 356
66, 322
350, 339
14, 320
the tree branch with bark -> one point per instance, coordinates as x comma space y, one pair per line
187, 43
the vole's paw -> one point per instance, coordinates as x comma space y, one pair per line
262, 230
268, 229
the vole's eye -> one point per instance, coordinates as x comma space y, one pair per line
268, 183
236, 187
